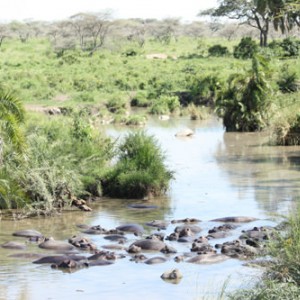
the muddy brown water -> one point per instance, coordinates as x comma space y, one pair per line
218, 174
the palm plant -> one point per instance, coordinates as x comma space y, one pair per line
245, 104
11, 116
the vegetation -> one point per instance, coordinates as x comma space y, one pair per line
140, 170
281, 279
80, 78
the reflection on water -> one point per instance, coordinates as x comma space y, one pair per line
217, 174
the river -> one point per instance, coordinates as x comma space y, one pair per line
217, 174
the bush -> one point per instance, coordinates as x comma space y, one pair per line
218, 50
139, 171
245, 49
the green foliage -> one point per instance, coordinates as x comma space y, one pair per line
246, 48
288, 81
245, 104
11, 117
204, 89
290, 46
218, 50
164, 105
140, 169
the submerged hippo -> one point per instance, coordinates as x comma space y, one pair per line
28, 233
188, 229
149, 244
143, 206
160, 224
133, 228
208, 258
186, 221
52, 244
238, 219
82, 243
57, 259
155, 260
14, 245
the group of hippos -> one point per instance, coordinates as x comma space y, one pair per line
80, 252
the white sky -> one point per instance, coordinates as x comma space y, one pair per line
49, 10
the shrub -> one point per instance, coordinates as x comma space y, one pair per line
245, 49
218, 50
139, 171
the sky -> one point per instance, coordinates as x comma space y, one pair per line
53, 10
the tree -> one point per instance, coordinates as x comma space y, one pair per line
91, 29
259, 14
11, 116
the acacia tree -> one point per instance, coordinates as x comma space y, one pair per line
91, 29
259, 14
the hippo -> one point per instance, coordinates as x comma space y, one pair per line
238, 249
28, 233
187, 230
160, 224
57, 259
258, 233
143, 206
82, 243
186, 221
52, 244
208, 258
27, 255
116, 238
105, 255
97, 229
138, 258
70, 264
173, 276
238, 219
113, 247
156, 236
202, 248
155, 260
133, 228
14, 245
149, 244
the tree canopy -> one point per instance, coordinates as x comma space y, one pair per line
282, 14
